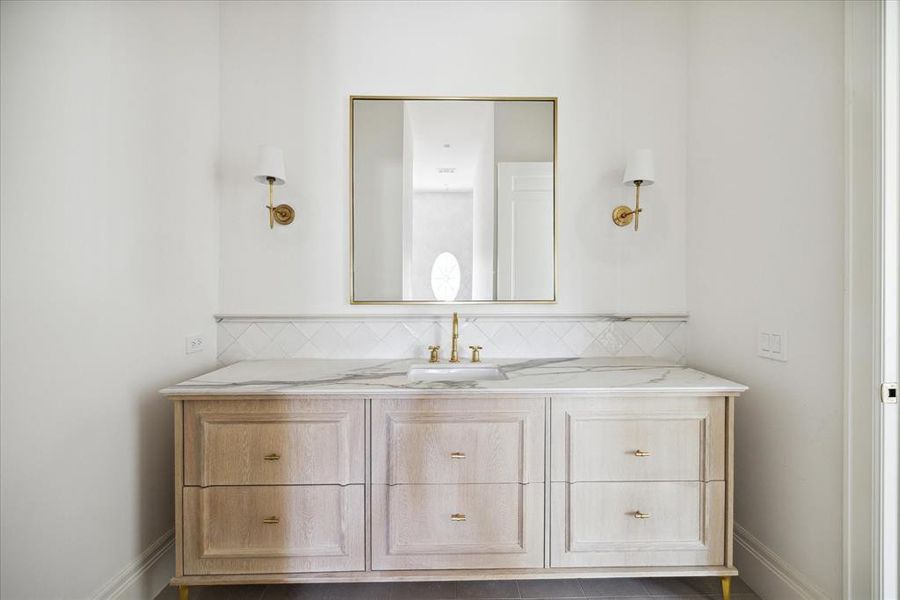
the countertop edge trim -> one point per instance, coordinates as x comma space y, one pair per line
593, 392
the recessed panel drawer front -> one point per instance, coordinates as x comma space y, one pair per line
274, 442
621, 524
273, 529
639, 439
470, 526
450, 440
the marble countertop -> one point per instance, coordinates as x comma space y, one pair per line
606, 376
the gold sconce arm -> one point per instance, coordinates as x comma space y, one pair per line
271, 206
283, 214
623, 215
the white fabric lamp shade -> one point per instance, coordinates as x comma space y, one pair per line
270, 163
639, 168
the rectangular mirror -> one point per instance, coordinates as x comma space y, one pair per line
452, 200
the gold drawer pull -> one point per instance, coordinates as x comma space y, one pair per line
272, 457
271, 521
457, 455
641, 515
641, 453
457, 517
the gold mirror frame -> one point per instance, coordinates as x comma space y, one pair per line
554, 100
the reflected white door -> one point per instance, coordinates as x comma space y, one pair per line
525, 231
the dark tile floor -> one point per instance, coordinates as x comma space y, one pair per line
693, 588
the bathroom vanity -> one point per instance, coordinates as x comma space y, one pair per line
292, 471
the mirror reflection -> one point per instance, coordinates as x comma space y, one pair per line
453, 200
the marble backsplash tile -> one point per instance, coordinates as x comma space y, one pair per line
408, 336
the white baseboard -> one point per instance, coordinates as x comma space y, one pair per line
145, 576
770, 576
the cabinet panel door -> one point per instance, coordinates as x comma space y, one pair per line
274, 442
474, 526
273, 529
629, 524
638, 439
453, 440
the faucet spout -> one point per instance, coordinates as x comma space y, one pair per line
454, 348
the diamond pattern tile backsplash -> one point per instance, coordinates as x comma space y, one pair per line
407, 336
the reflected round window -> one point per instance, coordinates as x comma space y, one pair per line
445, 277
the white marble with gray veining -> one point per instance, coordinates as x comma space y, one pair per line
606, 376
385, 337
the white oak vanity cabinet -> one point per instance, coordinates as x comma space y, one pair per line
469, 485
457, 483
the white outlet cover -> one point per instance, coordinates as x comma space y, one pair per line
194, 343
772, 343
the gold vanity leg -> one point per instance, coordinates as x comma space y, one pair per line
726, 588
183, 592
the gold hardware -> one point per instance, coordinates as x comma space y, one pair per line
641, 453
552, 99
271, 521
457, 455
476, 353
272, 457
183, 592
434, 354
282, 214
457, 517
622, 215
454, 348
641, 515
726, 587
889, 393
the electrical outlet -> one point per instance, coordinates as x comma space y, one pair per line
772, 343
194, 343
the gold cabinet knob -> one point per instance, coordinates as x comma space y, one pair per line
641, 515
641, 453
476, 353
435, 357
457, 517
272, 457
457, 455
271, 520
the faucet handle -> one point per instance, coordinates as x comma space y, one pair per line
476, 353
434, 354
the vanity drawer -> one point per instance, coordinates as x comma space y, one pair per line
448, 440
638, 439
273, 529
475, 526
625, 524
274, 442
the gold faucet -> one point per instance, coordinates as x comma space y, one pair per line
454, 350
476, 353
435, 357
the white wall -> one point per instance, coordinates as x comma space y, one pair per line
765, 243
289, 67
484, 207
109, 242
379, 186
523, 132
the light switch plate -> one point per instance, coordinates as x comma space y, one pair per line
194, 343
772, 343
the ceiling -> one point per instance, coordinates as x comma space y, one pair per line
447, 141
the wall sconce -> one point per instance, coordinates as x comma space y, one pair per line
638, 172
270, 169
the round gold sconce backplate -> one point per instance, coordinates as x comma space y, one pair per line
284, 214
622, 216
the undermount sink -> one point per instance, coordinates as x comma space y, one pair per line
455, 372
